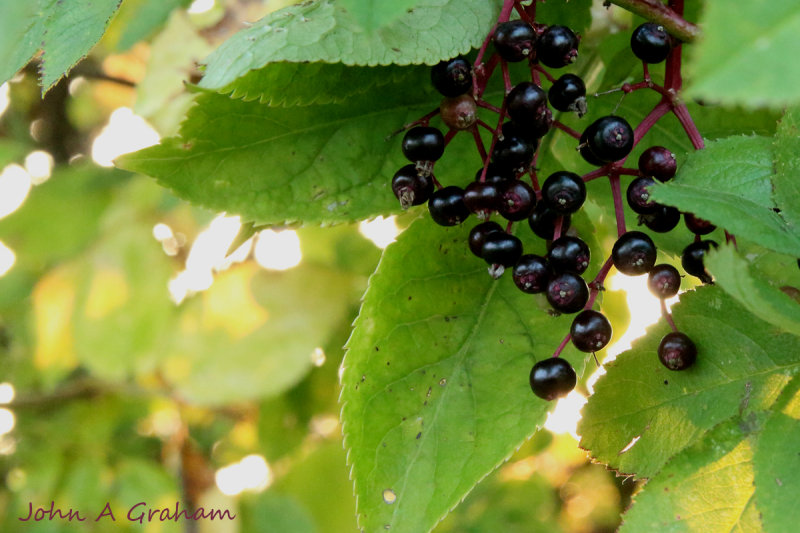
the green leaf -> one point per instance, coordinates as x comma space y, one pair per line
317, 164
575, 14
71, 30
732, 273
322, 30
295, 84
642, 414
728, 183
786, 184
21, 32
375, 14
708, 487
435, 389
742, 55
137, 20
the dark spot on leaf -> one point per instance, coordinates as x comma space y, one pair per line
666, 382
383, 444
425, 402
387, 363
409, 297
419, 435
403, 419
377, 349
395, 49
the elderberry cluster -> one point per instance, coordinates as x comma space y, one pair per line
507, 185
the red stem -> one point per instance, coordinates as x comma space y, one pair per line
667, 316
566, 129
562, 345
616, 192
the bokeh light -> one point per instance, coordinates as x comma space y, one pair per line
7, 393
252, 473
7, 421
125, 132
381, 231
278, 250
39, 164
15, 184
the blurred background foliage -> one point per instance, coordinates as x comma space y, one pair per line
154, 351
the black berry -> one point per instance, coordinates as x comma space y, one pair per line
411, 187
423, 143
568, 93
590, 331
664, 281
558, 47
659, 163
477, 235
513, 152
495, 174
609, 138
531, 273
634, 253
651, 43
567, 292
564, 192
517, 200
552, 378
586, 152
459, 112
447, 206
665, 218
697, 225
500, 248
692, 259
525, 101
452, 77
677, 351
543, 221
531, 130
568, 253
482, 198
514, 40
639, 198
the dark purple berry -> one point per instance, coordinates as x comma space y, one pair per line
543, 221
514, 40
568, 93
639, 198
568, 253
634, 253
531, 130
698, 226
552, 378
664, 281
531, 273
564, 192
665, 218
609, 138
477, 235
452, 77
500, 248
423, 143
677, 351
447, 206
525, 101
692, 259
586, 152
482, 198
558, 47
659, 163
517, 200
651, 43
567, 292
459, 112
590, 331
513, 152
411, 187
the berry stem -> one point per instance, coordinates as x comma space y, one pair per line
594, 174
562, 345
478, 141
538, 68
649, 121
689, 127
655, 11
506, 76
557, 227
566, 129
667, 316
619, 213
487, 105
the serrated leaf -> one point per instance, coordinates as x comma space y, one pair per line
374, 14
294, 84
642, 414
728, 183
732, 273
741, 57
21, 32
71, 29
322, 30
708, 488
317, 164
786, 184
435, 387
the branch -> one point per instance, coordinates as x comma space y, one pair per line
655, 11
